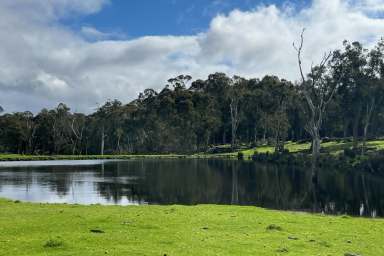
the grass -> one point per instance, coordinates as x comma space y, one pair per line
42, 229
332, 147
20, 157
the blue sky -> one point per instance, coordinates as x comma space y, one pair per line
135, 18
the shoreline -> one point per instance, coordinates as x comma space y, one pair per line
15, 157
332, 147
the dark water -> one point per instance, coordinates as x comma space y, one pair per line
193, 182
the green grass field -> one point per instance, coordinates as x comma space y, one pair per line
332, 147
42, 229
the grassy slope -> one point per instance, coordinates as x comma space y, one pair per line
332, 147
41, 229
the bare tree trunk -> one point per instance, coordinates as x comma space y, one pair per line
207, 140
317, 102
234, 121
367, 121
277, 137
102, 141
316, 146
74, 148
118, 144
265, 135
355, 129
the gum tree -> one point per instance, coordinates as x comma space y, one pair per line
317, 90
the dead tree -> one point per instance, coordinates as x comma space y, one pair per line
318, 92
234, 96
77, 127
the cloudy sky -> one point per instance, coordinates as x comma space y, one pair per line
85, 52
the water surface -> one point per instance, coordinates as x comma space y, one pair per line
189, 182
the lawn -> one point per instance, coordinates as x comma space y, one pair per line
42, 229
332, 147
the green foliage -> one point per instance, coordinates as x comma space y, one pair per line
191, 116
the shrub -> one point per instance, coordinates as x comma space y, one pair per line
53, 243
349, 153
274, 227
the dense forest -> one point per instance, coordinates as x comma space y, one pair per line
341, 97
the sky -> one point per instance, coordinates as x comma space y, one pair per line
85, 52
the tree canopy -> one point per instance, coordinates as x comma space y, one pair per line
191, 116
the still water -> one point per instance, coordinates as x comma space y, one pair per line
192, 182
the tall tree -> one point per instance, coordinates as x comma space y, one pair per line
317, 92
349, 67
373, 92
235, 95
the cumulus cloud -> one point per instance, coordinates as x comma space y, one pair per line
43, 63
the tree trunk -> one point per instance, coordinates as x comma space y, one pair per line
233, 138
207, 141
102, 141
356, 122
365, 132
316, 145
74, 148
118, 144
345, 128
277, 150
234, 121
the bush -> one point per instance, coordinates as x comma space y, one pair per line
274, 227
53, 243
351, 153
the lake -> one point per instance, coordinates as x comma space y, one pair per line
193, 181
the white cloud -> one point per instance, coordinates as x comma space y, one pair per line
43, 63
50, 85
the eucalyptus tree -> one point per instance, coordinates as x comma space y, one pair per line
373, 91
235, 94
217, 86
77, 124
61, 132
180, 82
317, 90
107, 117
349, 68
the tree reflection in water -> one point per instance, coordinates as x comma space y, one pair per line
192, 182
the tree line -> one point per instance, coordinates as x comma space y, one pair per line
340, 97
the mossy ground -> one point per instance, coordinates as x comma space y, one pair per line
42, 229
